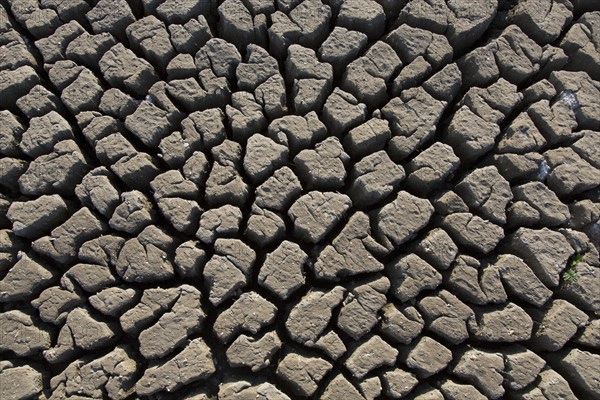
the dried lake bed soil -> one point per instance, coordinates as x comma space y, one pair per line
299, 199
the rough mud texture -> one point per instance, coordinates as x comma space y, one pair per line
299, 199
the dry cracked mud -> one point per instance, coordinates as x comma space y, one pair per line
299, 199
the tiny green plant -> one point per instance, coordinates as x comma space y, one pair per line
577, 258
570, 273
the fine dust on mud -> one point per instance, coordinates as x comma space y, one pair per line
299, 199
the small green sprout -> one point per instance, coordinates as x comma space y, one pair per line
570, 273
577, 258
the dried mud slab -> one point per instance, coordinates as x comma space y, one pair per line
299, 199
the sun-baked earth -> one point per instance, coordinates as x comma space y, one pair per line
299, 199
